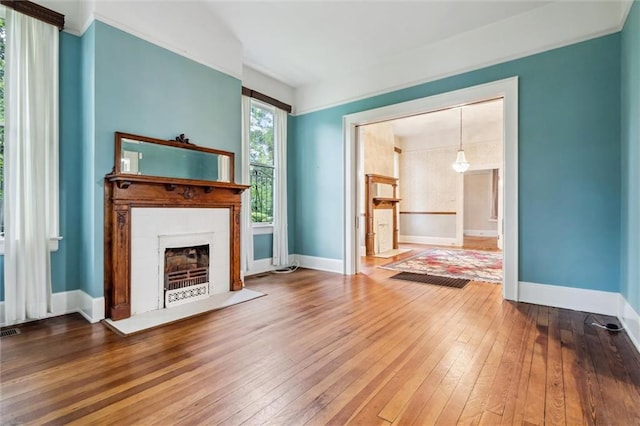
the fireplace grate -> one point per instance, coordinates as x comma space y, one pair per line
186, 278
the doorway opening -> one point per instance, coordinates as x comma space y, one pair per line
413, 206
506, 90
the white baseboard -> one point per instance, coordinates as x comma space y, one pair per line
320, 263
577, 299
438, 241
92, 308
630, 320
480, 233
67, 302
260, 266
311, 262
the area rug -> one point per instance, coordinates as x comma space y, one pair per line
431, 279
466, 264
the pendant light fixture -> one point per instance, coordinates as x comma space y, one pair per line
461, 165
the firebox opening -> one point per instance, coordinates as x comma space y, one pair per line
186, 274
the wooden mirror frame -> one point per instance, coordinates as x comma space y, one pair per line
117, 170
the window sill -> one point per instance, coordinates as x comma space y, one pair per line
53, 244
262, 229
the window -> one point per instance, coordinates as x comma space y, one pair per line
261, 163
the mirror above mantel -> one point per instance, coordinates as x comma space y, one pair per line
177, 159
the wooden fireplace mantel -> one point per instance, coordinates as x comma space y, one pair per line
374, 203
124, 192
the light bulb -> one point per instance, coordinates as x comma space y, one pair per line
461, 165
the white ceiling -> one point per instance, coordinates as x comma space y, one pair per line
317, 54
481, 122
302, 42
473, 117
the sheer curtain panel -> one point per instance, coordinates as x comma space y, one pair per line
246, 231
280, 236
31, 164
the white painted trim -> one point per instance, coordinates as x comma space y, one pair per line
577, 299
438, 241
630, 320
92, 308
320, 263
260, 266
262, 229
481, 232
508, 90
67, 302
64, 302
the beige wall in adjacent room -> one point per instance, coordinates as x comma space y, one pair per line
379, 142
477, 202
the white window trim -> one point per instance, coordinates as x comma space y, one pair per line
264, 228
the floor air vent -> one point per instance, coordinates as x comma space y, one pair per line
9, 332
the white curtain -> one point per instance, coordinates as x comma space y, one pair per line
31, 164
280, 236
247, 226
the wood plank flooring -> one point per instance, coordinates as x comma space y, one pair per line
322, 348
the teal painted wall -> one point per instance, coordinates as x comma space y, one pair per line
64, 262
144, 89
630, 100
262, 246
569, 164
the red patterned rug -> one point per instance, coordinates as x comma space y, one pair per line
467, 264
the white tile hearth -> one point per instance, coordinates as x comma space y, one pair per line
152, 319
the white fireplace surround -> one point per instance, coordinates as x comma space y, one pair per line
155, 229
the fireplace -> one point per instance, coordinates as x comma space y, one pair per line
140, 209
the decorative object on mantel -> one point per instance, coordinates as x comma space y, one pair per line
144, 183
461, 165
180, 138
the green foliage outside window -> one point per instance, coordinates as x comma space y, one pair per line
261, 157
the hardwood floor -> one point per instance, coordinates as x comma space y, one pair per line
322, 348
